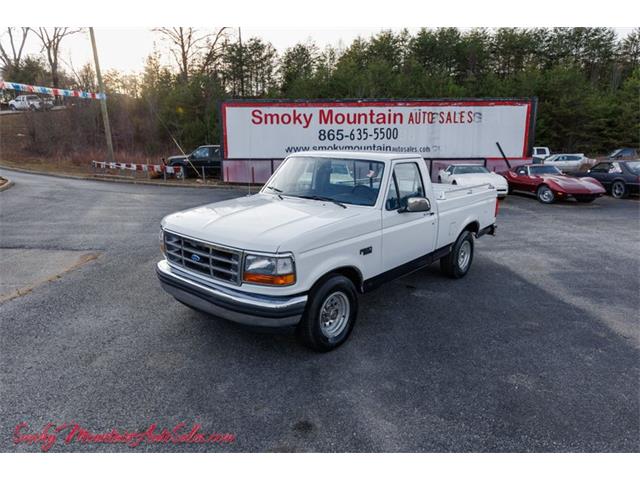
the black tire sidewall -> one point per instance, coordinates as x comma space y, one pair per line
449, 264
310, 325
457, 271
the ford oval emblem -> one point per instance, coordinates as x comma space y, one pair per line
195, 257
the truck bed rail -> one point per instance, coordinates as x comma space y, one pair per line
443, 194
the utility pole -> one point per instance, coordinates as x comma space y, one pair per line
103, 100
241, 64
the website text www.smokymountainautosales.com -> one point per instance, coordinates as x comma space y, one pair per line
72, 433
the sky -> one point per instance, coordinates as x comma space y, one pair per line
127, 49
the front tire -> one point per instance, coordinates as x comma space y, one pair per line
618, 189
545, 194
458, 262
330, 314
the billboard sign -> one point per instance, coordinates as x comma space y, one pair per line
273, 129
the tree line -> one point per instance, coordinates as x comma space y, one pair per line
587, 80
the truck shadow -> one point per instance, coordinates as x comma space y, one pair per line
442, 365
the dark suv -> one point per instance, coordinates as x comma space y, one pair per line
208, 157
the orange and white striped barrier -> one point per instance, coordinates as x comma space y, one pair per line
140, 167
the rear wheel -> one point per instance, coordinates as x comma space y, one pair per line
458, 262
545, 194
330, 314
618, 189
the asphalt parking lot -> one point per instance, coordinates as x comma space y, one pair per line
536, 349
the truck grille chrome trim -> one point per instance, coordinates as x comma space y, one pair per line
220, 263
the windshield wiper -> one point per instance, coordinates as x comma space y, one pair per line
322, 199
277, 190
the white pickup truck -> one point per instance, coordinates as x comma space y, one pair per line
325, 227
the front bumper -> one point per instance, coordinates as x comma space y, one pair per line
240, 307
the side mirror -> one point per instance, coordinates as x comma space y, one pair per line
416, 204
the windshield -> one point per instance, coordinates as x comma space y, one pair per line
615, 153
469, 169
355, 182
634, 167
543, 169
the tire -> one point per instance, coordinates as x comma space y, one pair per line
458, 262
586, 199
618, 189
545, 195
337, 296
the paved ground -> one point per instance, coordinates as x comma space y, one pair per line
535, 350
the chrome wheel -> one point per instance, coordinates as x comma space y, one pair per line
545, 195
618, 189
334, 314
464, 255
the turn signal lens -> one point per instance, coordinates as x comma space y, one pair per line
280, 280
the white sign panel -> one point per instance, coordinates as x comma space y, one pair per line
433, 129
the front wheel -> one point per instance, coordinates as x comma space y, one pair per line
545, 194
618, 189
458, 262
330, 314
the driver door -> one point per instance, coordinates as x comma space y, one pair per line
519, 178
406, 236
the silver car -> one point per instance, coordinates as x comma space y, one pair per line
570, 162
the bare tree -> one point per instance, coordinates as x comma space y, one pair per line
51, 39
11, 59
215, 43
188, 46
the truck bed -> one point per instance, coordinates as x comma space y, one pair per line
457, 205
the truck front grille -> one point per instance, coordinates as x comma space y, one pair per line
220, 263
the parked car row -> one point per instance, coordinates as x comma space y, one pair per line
548, 183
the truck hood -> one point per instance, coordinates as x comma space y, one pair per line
573, 185
265, 223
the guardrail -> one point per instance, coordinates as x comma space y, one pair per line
139, 167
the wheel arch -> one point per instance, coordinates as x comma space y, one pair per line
472, 226
352, 272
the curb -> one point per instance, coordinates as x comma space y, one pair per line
107, 178
7, 185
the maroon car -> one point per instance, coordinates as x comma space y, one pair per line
550, 184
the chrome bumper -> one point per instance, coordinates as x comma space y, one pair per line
230, 304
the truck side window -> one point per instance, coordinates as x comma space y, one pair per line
406, 183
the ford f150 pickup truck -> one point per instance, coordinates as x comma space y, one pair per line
324, 228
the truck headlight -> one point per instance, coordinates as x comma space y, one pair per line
266, 270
